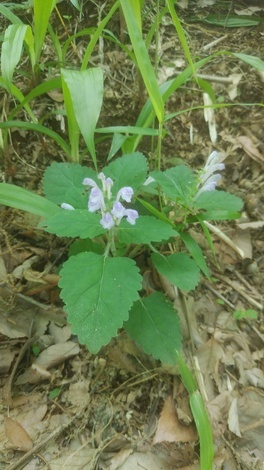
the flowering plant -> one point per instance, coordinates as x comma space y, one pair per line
118, 215
123, 212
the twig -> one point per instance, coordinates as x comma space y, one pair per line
240, 291
8, 385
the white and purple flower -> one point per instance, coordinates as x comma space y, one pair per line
208, 178
101, 200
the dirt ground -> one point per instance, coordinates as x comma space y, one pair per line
61, 406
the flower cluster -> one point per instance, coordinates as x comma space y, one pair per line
101, 200
208, 177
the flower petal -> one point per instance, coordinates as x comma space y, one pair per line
118, 210
125, 193
107, 221
131, 216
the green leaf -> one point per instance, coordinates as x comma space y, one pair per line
77, 223
98, 293
204, 430
146, 229
42, 12
9, 15
177, 183
73, 128
195, 252
62, 182
143, 59
252, 60
128, 170
154, 324
12, 50
38, 128
218, 200
250, 313
20, 198
86, 90
80, 246
178, 268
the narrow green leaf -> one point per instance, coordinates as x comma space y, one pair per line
204, 430
154, 324
73, 128
98, 293
252, 60
86, 90
147, 229
178, 268
10, 15
20, 198
180, 33
143, 60
38, 128
186, 376
195, 252
97, 34
42, 12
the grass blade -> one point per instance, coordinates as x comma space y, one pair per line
20, 198
42, 12
143, 60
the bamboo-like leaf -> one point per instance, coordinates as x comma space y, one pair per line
11, 51
73, 128
10, 15
20, 198
42, 12
38, 128
143, 60
86, 91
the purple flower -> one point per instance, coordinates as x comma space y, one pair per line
66, 206
107, 221
131, 216
118, 210
125, 193
96, 200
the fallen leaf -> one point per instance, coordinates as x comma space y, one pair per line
17, 435
169, 428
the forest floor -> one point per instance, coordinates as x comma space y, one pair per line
121, 409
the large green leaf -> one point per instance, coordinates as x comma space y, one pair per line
98, 293
147, 229
177, 183
74, 223
86, 91
218, 200
178, 268
62, 182
128, 170
20, 198
154, 324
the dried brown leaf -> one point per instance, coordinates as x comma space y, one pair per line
17, 435
170, 429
